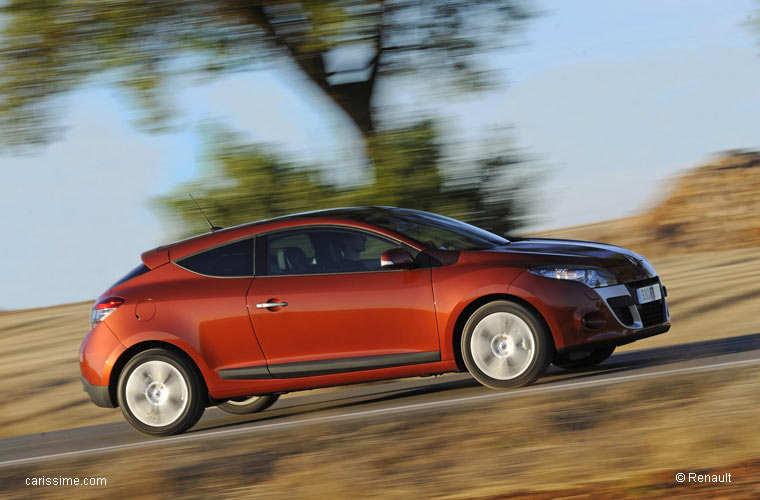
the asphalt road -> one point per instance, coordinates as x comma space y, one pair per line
385, 398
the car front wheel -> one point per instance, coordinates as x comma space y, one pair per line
250, 404
160, 394
505, 345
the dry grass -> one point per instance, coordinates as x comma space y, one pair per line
712, 206
611, 439
39, 368
712, 295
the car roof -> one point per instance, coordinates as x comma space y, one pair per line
349, 213
357, 215
333, 213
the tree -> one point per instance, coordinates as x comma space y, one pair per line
50, 47
245, 182
344, 47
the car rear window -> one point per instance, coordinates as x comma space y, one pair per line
233, 259
134, 273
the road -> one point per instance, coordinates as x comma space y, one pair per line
384, 398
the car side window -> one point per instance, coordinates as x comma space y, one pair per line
290, 253
317, 251
231, 260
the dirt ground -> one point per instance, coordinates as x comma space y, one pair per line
711, 295
624, 440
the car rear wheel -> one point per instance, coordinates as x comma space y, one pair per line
593, 358
250, 404
160, 394
505, 345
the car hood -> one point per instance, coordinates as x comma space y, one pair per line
625, 264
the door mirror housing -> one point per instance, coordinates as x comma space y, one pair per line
396, 258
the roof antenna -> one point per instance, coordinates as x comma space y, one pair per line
213, 227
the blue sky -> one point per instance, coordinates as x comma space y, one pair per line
608, 99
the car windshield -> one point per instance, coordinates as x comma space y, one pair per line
435, 231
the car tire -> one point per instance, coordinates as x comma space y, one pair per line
250, 404
505, 345
594, 357
160, 393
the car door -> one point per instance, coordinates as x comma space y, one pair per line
204, 302
321, 303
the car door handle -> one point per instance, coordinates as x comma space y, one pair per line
267, 305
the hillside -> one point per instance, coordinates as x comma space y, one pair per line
713, 206
703, 240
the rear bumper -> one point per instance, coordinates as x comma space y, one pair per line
99, 394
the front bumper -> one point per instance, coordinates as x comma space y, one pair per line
581, 318
641, 334
99, 394
622, 301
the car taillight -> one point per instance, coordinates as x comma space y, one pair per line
103, 308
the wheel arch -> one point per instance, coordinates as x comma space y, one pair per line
474, 305
136, 349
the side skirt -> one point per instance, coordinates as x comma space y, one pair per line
330, 366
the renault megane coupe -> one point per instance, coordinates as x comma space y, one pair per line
237, 316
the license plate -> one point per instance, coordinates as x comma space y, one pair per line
649, 294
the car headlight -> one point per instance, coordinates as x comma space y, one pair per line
590, 276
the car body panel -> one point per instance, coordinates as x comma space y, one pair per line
209, 314
457, 286
563, 304
352, 327
234, 388
344, 315
99, 351
623, 263
155, 257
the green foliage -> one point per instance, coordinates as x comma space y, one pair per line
407, 170
246, 182
50, 47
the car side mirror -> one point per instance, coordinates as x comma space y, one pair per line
396, 258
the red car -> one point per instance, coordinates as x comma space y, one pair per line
235, 317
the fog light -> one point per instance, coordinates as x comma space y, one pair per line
593, 321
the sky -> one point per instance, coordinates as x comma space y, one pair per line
609, 100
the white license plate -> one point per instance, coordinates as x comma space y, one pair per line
649, 294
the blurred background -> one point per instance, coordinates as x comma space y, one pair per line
518, 115
630, 122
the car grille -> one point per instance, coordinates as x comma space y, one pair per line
624, 315
652, 313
